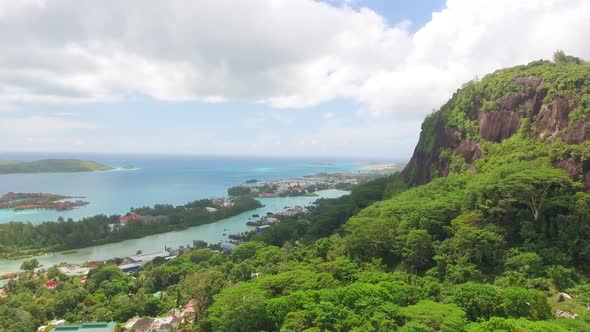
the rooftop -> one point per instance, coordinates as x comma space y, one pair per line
87, 327
149, 256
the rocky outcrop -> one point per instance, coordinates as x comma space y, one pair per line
571, 166
470, 150
527, 101
498, 125
425, 159
553, 118
578, 133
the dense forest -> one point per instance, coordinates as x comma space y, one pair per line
17, 238
486, 230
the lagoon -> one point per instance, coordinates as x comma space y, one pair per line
212, 233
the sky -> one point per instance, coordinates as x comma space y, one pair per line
331, 78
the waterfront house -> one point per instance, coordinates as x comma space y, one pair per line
87, 327
260, 229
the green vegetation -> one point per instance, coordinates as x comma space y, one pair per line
17, 239
51, 166
482, 249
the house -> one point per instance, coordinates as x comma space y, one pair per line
210, 209
92, 264
51, 284
73, 270
166, 323
260, 229
87, 327
127, 218
272, 220
189, 311
140, 324
227, 247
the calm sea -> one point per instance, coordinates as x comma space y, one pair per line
157, 179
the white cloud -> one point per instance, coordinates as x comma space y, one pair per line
289, 53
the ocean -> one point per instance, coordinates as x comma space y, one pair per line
160, 179
157, 179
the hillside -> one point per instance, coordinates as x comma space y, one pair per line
548, 102
51, 166
485, 230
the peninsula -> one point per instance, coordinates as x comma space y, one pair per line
28, 201
51, 166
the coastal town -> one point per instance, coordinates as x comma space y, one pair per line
307, 185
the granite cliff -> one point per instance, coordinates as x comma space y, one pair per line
544, 101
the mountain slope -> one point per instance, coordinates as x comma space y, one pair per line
549, 101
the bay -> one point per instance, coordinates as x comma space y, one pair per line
157, 180
211, 233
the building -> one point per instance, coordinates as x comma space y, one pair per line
227, 247
134, 263
73, 270
260, 229
51, 284
130, 217
145, 258
87, 327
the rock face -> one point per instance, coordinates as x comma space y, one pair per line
550, 120
578, 132
553, 118
470, 150
423, 162
498, 125
571, 166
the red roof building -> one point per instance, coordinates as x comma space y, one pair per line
51, 284
129, 217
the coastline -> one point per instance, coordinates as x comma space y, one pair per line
211, 233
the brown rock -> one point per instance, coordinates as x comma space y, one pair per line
470, 150
532, 82
498, 125
511, 103
571, 166
419, 169
577, 134
553, 118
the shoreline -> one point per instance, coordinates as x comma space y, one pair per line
211, 233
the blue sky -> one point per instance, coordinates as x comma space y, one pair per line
270, 77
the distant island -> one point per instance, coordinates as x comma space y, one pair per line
29, 201
51, 166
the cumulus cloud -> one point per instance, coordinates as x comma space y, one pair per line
287, 53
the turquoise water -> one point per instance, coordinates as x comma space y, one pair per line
212, 233
158, 179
